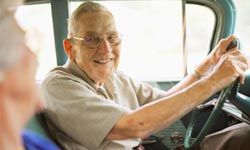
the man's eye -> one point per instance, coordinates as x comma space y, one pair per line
112, 37
92, 39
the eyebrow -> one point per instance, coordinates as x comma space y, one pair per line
92, 32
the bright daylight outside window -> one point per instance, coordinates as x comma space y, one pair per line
38, 19
242, 30
152, 37
200, 22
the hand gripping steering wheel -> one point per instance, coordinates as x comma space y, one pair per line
239, 100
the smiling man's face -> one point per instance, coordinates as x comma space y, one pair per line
101, 62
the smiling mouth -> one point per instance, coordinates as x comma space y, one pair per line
103, 61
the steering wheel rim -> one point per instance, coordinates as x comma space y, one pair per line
241, 101
188, 143
229, 92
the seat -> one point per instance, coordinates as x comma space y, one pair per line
37, 124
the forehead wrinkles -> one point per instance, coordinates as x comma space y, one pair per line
99, 22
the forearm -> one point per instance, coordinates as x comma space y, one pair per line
162, 113
188, 80
187, 94
202, 69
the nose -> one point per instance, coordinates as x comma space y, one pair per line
105, 46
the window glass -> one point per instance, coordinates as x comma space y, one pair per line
242, 30
38, 18
152, 37
200, 22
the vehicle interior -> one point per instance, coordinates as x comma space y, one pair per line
162, 43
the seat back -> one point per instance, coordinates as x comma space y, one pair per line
37, 124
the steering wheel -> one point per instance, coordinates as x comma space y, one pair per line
239, 100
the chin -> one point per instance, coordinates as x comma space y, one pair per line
104, 75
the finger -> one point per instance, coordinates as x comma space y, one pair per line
238, 56
242, 65
240, 60
225, 42
240, 68
233, 51
231, 54
242, 77
247, 57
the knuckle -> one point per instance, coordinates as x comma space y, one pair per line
245, 67
228, 60
244, 60
236, 51
222, 42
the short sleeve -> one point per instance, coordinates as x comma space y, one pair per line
79, 112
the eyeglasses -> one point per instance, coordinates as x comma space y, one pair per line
94, 40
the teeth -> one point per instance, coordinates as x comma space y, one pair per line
103, 61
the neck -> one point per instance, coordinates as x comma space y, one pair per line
10, 132
98, 84
101, 83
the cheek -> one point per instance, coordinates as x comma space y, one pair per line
117, 51
79, 56
117, 56
84, 58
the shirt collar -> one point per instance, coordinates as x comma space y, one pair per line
75, 70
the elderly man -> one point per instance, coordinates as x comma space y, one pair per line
89, 105
18, 93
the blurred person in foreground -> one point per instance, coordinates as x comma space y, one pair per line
18, 93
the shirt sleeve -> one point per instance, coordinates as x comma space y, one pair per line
79, 112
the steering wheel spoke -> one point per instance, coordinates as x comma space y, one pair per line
188, 143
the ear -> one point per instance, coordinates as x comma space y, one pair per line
68, 48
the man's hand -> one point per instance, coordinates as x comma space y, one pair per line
213, 58
231, 66
220, 50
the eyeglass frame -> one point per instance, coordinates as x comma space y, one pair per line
101, 37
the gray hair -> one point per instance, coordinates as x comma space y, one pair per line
9, 38
86, 7
4, 4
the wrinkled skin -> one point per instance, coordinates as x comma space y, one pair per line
88, 59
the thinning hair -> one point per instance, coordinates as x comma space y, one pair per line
4, 4
10, 38
86, 7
